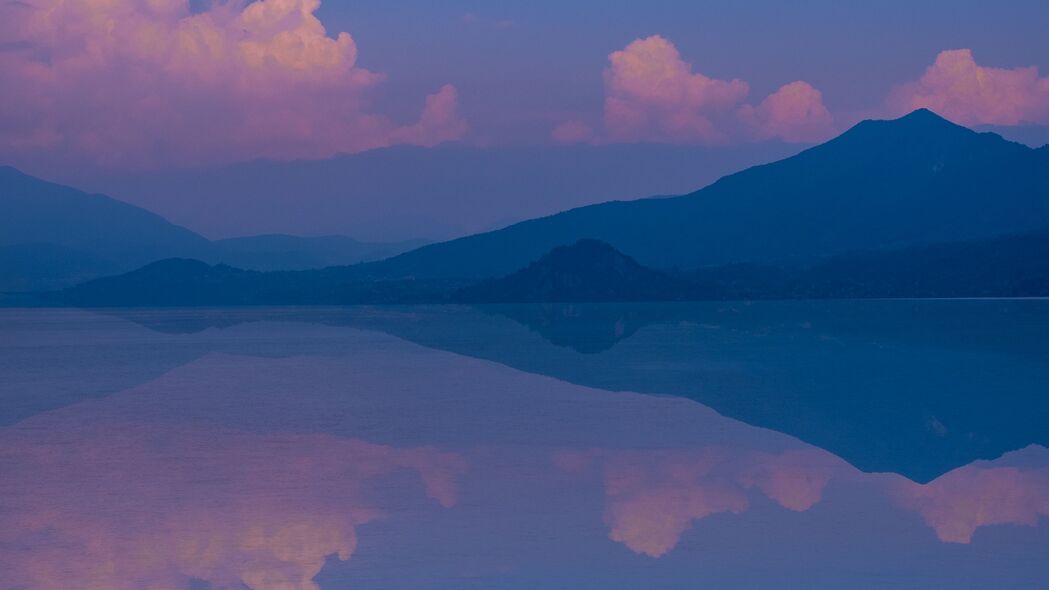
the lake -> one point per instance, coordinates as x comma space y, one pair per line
808, 445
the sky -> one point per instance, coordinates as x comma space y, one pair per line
126, 86
548, 63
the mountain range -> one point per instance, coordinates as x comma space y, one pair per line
915, 180
916, 206
285, 252
54, 236
594, 271
406, 192
914, 387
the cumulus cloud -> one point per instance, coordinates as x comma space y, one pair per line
958, 88
794, 113
439, 121
151, 81
653, 94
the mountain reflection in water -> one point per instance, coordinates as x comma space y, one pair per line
452, 447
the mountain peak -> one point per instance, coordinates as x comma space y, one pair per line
588, 270
921, 125
924, 115
587, 256
920, 134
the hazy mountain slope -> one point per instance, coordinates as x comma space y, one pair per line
34, 267
36, 212
405, 192
53, 236
284, 252
185, 282
881, 184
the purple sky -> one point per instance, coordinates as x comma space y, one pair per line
515, 82
154, 85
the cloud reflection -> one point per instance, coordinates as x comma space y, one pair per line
966, 499
128, 506
653, 497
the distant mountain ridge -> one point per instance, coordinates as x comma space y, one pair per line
593, 271
868, 214
285, 252
184, 282
404, 192
81, 233
882, 184
53, 236
1002, 266
37, 211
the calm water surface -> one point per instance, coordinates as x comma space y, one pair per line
880, 444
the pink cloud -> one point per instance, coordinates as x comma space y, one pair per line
794, 113
956, 87
438, 123
142, 83
651, 93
